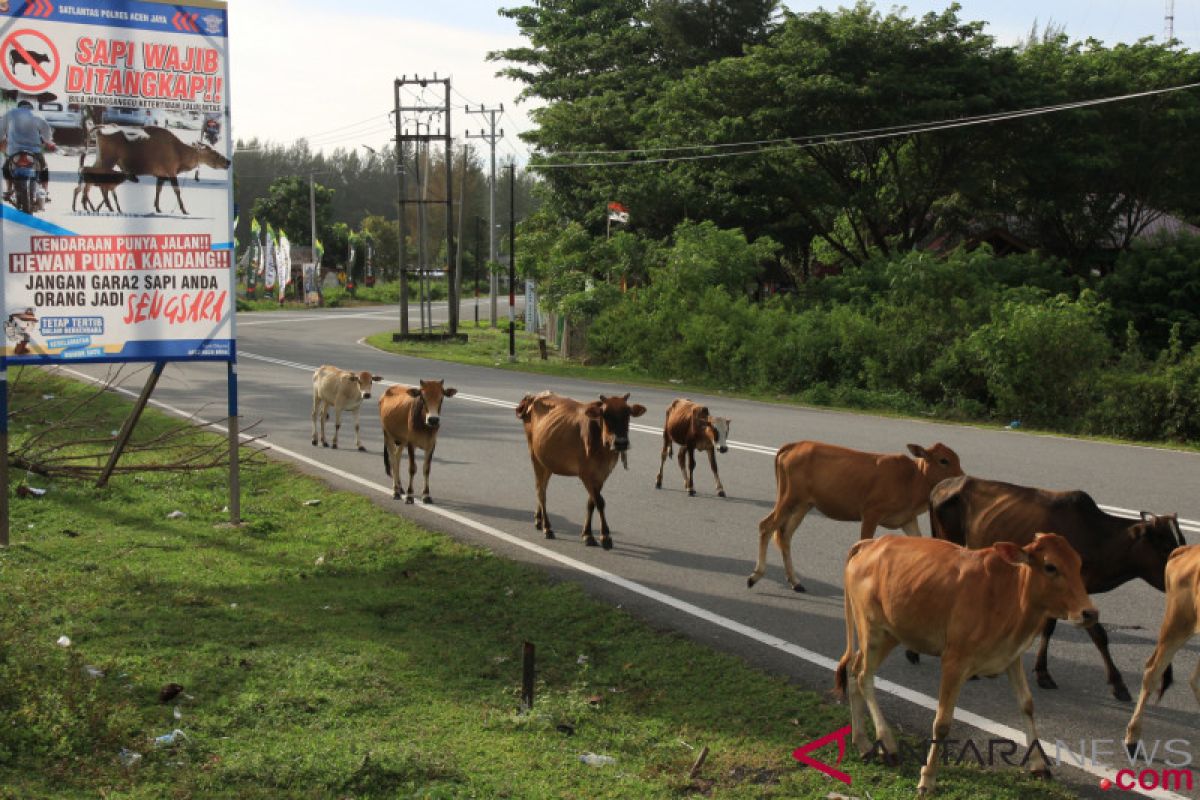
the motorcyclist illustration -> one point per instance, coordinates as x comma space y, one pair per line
26, 175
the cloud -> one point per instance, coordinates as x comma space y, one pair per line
327, 75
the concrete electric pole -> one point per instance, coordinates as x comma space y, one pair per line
491, 136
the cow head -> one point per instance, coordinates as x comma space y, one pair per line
1054, 584
210, 157
431, 394
936, 463
1154, 538
613, 414
716, 429
362, 381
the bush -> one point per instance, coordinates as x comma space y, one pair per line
1040, 360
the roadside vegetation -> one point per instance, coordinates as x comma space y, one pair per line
329, 648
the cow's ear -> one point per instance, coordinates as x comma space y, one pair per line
451, 392
918, 451
376, 378
414, 391
626, 397
594, 410
1011, 553
636, 410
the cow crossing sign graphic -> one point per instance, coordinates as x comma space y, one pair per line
30, 60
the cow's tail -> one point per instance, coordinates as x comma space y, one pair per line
840, 676
387, 461
1167, 679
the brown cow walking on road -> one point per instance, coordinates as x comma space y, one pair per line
976, 512
411, 417
1180, 623
341, 390
691, 426
567, 437
153, 151
849, 485
977, 609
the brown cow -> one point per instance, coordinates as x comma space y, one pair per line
341, 390
977, 609
411, 417
691, 427
567, 437
1181, 621
976, 512
153, 151
849, 485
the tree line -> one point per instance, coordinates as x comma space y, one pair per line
795, 181
356, 194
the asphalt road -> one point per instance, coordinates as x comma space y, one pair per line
682, 562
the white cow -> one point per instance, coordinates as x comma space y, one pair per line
342, 390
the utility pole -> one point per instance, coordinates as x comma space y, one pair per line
492, 137
512, 261
478, 219
312, 221
402, 136
401, 202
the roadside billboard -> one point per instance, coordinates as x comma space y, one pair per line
132, 257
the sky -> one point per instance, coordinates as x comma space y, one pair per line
324, 71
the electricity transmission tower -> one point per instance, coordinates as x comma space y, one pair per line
421, 113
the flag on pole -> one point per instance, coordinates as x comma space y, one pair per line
270, 271
618, 213
283, 260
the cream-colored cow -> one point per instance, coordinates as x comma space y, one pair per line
341, 390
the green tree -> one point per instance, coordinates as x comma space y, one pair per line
286, 207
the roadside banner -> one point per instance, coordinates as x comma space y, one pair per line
283, 264
155, 279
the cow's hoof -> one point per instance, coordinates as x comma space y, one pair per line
427, 500
1131, 748
1045, 681
606, 543
589, 541
549, 533
314, 442
913, 656
1121, 693
691, 492
408, 501
362, 449
721, 493
397, 495
799, 587
335, 445
751, 581
658, 484
1041, 774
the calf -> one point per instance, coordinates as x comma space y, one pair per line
978, 513
567, 437
849, 485
341, 390
1181, 621
411, 417
977, 609
691, 427
107, 181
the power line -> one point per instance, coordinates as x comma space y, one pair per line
845, 137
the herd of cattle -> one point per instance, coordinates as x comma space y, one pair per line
1034, 552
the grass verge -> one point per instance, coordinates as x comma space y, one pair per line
333, 649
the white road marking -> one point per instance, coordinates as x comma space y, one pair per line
1192, 526
997, 729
